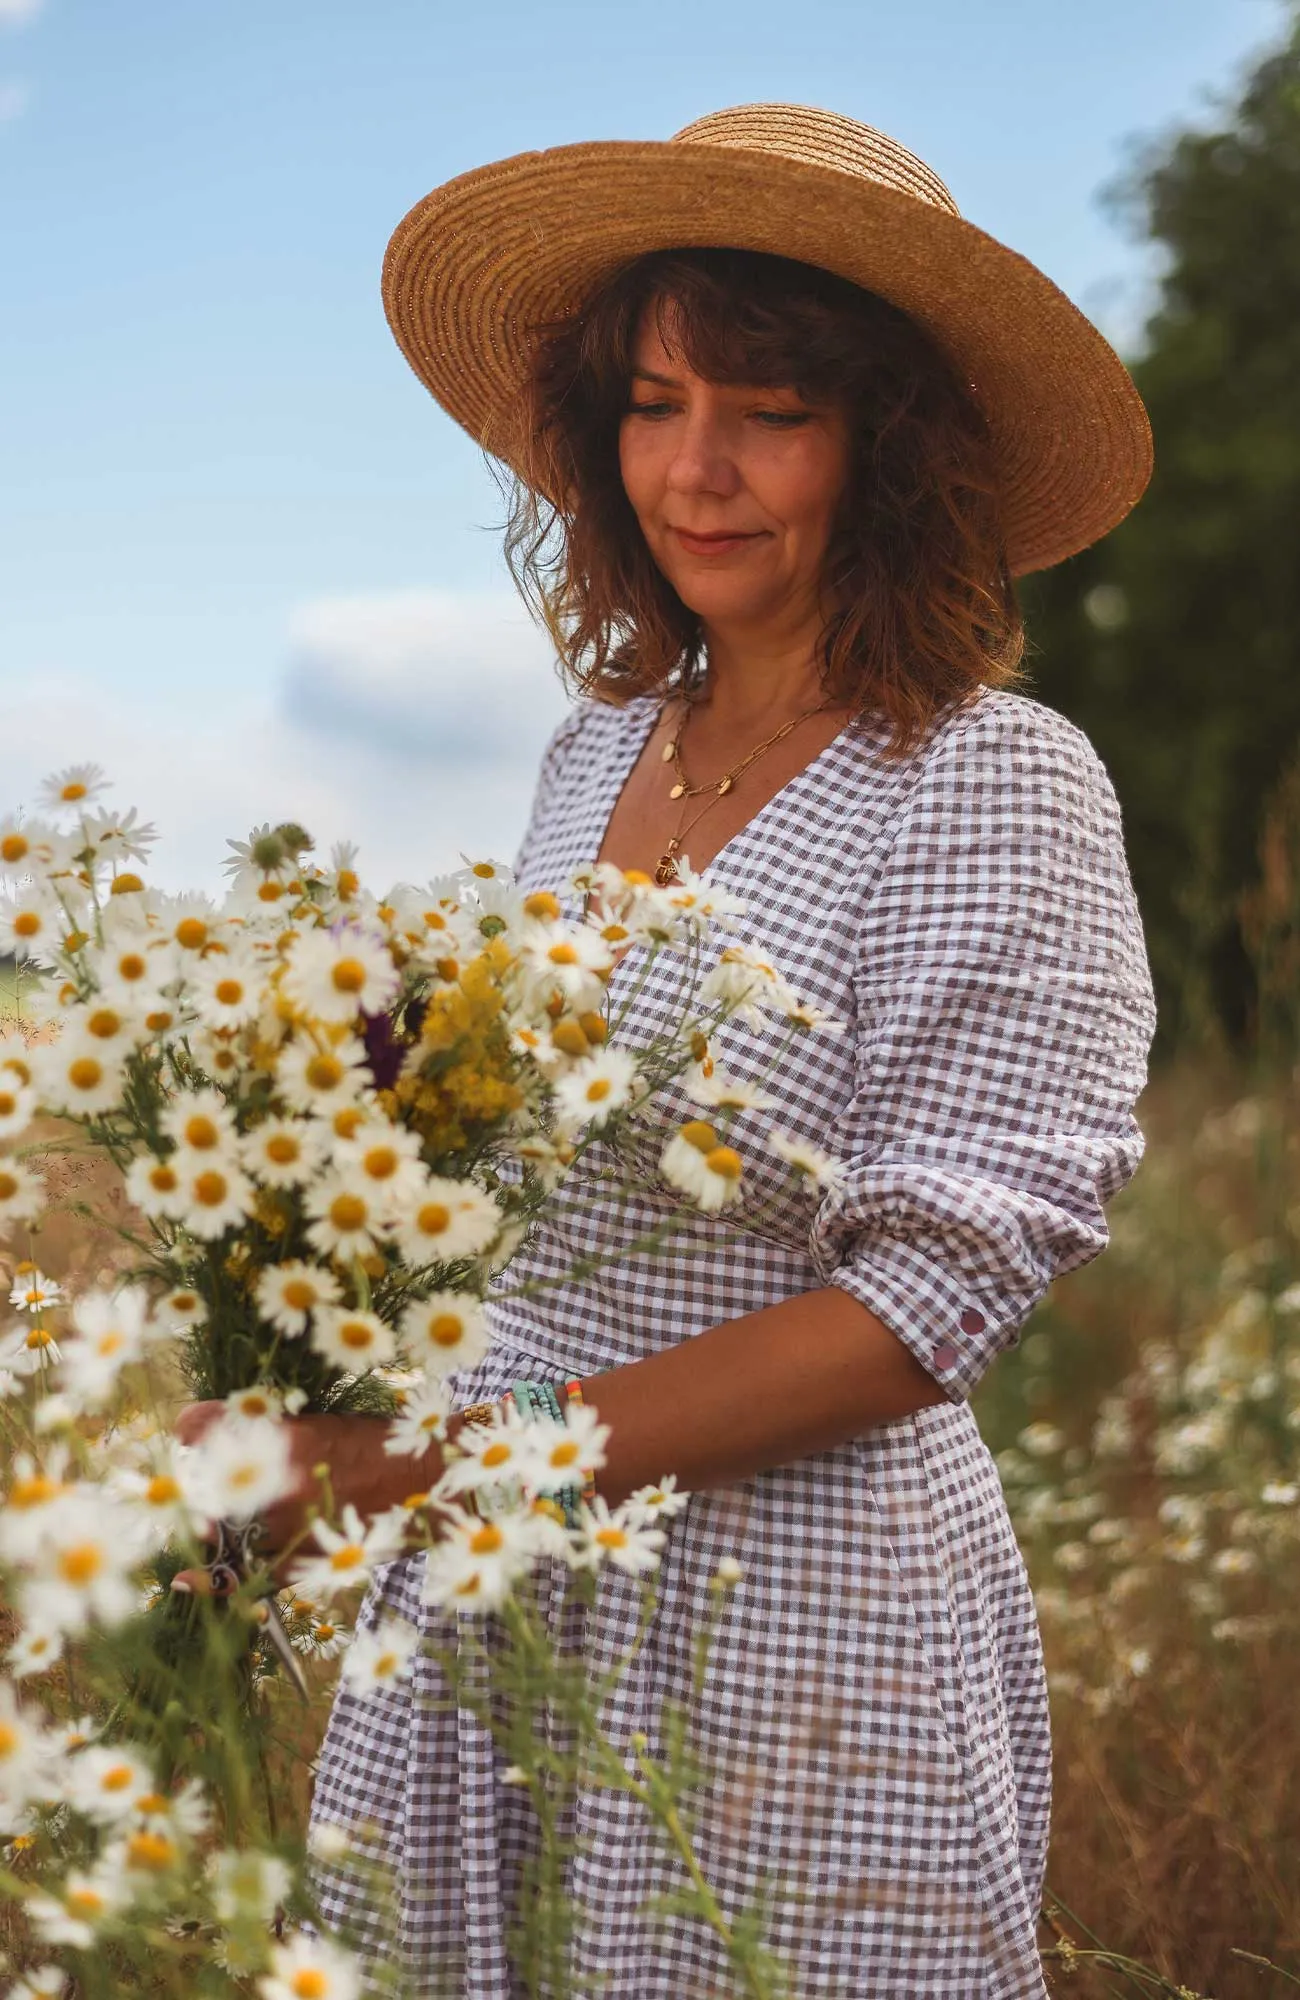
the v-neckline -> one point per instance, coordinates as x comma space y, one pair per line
610, 797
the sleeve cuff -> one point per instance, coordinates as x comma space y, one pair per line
953, 1335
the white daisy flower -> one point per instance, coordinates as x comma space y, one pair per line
421, 1420
595, 1088
475, 1564
620, 1537
47, 1982
659, 1502
87, 1899
201, 1121
725, 1093
36, 1648
346, 1214
156, 1491
810, 1162
746, 985
444, 1332
321, 1079
27, 1752
352, 1339
261, 1403
120, 836
565, 1454
31, 846
106, 1782
288, 1294
15, 1062
76, 785
181, 1308
80, 1571
570, 960
114, 1027
699, 903
697, 1162
247, 1885
326, 1639
109, 1333
450, 1219
154, 1187
282, 1152
18, 1105
238, 1470
33, 1489
76, 1075
486, 1455
350, 1552
307, 1968
31, 922
28, 1347
227, 988
382, 1658
32, 1291
334, 975
22, 1192
217, 1195
386, 1158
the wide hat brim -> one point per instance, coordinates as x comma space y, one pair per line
483, 260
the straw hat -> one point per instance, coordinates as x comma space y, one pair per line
494, 253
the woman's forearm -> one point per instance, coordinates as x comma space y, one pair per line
758, 1391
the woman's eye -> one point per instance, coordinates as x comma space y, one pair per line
781, 420
649, 409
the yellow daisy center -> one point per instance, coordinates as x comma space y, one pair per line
131, 966
39, 1337
497, 1454
81, 1563
299, 1294
563, 954
700, 1135
611, 1538
27, 924
162, 1490
324, 1072
211, 1188
9, 1185
599, 1087
283, 1150
85, 1073
446, 1329
201, 1133
104, 1023
309, 1984
126, 885
486, 1541
350, 1556
347, 1212
8, 1740
163, 1179
380, 1162
349, 976
34, 1492
191, 933
726, 1162
432, 1219
356, 1334
14, 846
229, 991
541, 905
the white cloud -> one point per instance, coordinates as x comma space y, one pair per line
15, 96
439, 677
17, 11
412, 724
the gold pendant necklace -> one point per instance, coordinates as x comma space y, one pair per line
666, 866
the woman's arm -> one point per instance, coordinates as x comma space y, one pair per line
761, 1390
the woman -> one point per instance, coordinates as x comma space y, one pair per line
770, 501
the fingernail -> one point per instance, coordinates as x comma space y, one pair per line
181, 1588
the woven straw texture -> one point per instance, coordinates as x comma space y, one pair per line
489, 256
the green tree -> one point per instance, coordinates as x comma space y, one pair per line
1175, 643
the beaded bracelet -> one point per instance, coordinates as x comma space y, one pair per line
541, 1399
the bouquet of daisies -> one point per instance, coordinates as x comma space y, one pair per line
332, 1116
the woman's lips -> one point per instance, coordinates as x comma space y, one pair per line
711, 545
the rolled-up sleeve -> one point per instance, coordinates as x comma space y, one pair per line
1005, 1015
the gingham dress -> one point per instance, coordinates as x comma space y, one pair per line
875, 1712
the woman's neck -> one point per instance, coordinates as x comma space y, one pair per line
755, 678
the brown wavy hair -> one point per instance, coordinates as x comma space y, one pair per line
924, 608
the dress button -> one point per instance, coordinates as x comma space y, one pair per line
972, 1321
945, 1354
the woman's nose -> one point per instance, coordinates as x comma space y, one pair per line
703, 461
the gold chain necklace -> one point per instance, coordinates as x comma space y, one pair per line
666, 867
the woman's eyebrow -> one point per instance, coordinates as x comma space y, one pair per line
648, 375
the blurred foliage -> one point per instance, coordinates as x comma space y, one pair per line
1175, 643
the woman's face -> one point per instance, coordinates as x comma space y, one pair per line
735, 488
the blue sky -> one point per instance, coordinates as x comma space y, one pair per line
244, 559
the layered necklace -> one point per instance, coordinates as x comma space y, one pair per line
716, 788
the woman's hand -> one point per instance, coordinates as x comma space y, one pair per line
360, 1472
